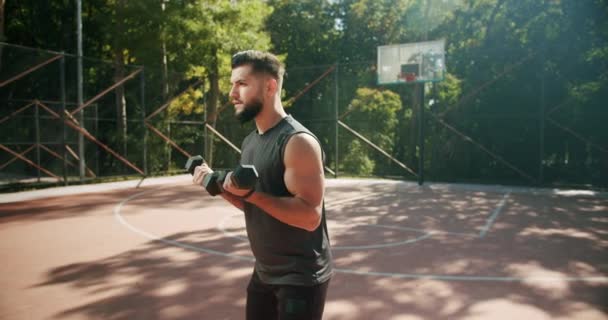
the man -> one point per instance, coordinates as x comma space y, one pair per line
284, 212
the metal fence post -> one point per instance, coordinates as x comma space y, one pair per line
38, 140
142, 88
168, 146
541, 151
79, 85
63, 125
336, 105
421, 136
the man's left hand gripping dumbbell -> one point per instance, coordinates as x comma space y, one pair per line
240, 182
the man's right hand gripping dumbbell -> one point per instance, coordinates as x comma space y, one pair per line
243, 177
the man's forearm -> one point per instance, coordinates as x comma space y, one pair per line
235, 201
293, 211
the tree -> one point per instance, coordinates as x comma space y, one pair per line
373, 113
357, 161
204, 36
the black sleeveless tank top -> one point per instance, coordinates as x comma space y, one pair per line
284, 254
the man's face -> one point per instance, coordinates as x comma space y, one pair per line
247, 93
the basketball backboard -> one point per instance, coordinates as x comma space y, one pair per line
411, 62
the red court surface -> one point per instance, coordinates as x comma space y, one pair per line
166, 250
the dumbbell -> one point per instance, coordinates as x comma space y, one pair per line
243, 176
212, 182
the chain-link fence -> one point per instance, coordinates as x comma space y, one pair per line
523, 124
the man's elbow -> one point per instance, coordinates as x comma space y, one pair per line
314, 222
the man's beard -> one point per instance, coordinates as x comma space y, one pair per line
250, 111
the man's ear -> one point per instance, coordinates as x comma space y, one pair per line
272, 86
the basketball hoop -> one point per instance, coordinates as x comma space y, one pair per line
411, 62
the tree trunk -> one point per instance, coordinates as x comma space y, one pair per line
490, 23
212, 102
413, 136
165, 76
399, 149
119, 74
121, 103
2, 38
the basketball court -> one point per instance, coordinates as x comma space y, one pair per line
163, 249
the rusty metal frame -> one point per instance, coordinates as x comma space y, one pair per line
439, 117
164, 106
17, 112
293, 99
484, 85
23, 153
73, 154
48, 150
483, 148
68, 162
104, 92
167, 139
35, 102
228, 142
377, 148
30, 70
70, 121
28, 161
577, 135
89, 136
161, 109
208, 126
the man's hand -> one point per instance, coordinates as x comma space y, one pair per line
199, 173
231, 188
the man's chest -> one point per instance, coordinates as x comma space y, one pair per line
265, 154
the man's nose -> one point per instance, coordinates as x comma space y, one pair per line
233, 92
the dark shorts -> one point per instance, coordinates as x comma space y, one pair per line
284, 302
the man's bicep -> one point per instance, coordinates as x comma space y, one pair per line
304, 175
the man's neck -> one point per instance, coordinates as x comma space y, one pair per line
269, 117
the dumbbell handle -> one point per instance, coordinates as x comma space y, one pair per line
243, 177
194, 162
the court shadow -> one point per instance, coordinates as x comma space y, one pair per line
92, 203
401, 252
157, 281
489, 255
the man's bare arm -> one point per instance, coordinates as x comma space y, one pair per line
304, 178
234, 200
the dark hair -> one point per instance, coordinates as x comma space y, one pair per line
260, 62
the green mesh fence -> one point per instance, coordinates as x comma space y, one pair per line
524, 124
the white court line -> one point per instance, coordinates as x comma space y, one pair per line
335, 203
601, 279
118, 216
187, 179
494, 215
150, 236
221, 226
489, 222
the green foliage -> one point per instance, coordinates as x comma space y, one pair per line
187, 103
304, 31
373, 114
509, 61
357, 161
447, 93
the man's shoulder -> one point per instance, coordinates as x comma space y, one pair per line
295, 125
302, 138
